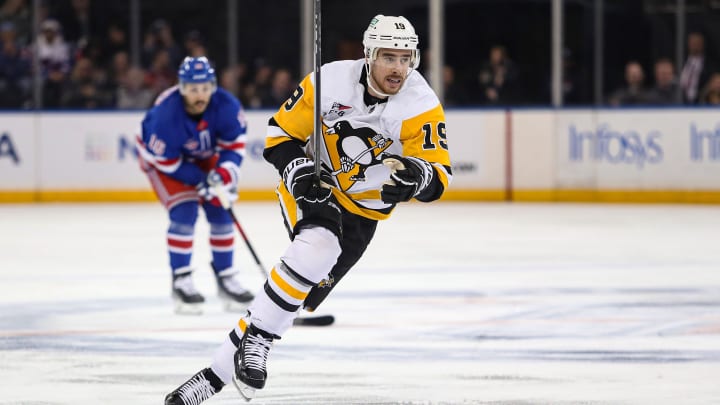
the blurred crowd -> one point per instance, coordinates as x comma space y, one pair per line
498, 81
697, 82
82, 66
84, 62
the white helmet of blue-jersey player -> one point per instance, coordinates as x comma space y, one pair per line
389, 32
196, 70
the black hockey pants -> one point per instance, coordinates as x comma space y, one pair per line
357, 233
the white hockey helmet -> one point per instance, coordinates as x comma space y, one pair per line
393, 33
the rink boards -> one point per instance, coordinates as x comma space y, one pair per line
643, 155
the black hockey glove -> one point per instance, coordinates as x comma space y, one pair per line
317, 205
408, 177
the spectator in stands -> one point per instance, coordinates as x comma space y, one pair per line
132, 93
710, 94
665, 90
15, 63
54, 55
160, 38
633, 92
161, 74
498, 78
118, 68
232, 78
453, 91
83, 22
697, 69
18, 13
256, 91
76, 21
114, 42
281, 87
575, 80
84, 90
194, 44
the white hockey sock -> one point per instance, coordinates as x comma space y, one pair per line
223, 363
307, 260
268, 316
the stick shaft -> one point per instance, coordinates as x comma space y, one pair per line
227, 204
247, 241
317, 132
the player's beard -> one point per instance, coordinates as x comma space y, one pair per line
384, 86
200, 105
197, 107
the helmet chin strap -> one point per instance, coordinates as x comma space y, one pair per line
370, 81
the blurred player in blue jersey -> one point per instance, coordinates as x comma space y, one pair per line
191, 148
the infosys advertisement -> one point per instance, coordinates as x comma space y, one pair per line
638, 149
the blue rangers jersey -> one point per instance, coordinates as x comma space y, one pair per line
172, 140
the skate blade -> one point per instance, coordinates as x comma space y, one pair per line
246, 391
183, 308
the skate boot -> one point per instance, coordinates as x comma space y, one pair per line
197, 389
250, 359
187, 299
234, 297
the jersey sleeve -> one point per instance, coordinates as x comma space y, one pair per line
424, 136
232, 137
159, 149
290, 127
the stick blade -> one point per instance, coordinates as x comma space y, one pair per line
319, 320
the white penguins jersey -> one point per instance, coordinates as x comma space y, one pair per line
356, 137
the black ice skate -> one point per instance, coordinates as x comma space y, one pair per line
234, 297
250, 359
187, 299
197, 389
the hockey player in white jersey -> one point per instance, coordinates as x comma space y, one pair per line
384, 142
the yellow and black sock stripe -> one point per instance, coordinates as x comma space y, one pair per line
286, 288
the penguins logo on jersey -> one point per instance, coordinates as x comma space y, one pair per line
355, 149
327, 282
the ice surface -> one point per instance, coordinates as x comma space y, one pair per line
454, 303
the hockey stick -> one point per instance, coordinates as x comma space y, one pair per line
247, 241
317, 103
317, 320
320, 320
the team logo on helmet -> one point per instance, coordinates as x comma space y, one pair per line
196, 70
